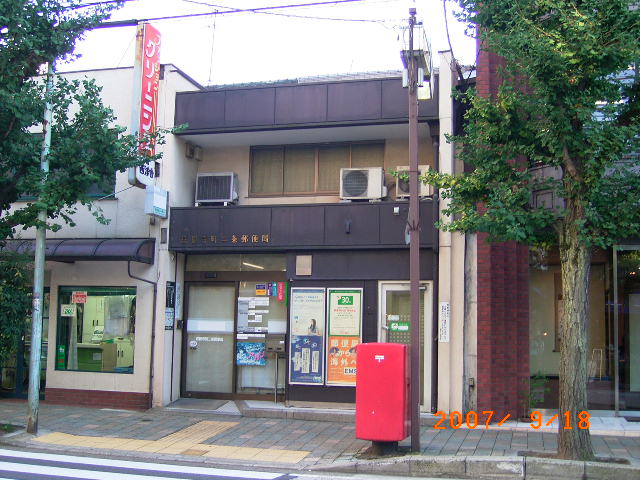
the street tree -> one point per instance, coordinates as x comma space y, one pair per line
87, 146
564, 120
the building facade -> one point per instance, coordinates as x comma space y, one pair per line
264, 289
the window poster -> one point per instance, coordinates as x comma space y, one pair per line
344, 334
251, 353
307, 317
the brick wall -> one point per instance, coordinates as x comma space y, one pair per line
98, 398
503, 304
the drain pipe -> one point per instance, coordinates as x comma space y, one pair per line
153, 328
436, 273
173, 330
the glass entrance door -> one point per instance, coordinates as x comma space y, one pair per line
209, 343
395, 326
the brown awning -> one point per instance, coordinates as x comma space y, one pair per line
82, 249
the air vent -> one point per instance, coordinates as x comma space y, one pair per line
362, 183
213, 188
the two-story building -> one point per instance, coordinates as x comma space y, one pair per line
295, 250
284, 249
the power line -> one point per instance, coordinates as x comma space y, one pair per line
96, 4
289, 15
131, 22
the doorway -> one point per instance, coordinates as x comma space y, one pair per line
234, 342
395, 326
209, 340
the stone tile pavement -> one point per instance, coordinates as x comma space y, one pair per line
230, 438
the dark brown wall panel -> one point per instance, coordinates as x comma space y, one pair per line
250, 107
200, 110
395, 99
298, 226
283, 106
366, 265
295, 227
352, 225
301, 104
354, 101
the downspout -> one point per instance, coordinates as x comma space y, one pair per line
436, 272
153, 328
173, 330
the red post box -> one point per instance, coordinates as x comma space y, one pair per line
382, 392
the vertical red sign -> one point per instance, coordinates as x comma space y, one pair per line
148, 68
281, 286
150, 81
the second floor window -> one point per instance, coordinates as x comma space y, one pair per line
308, 169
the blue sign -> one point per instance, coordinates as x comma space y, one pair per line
306, 360
251, 353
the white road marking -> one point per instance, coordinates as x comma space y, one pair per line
102, 462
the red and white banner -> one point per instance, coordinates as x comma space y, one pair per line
147, 82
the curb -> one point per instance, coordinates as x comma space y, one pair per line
478, 467
297, 413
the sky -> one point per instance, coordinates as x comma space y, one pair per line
350, 37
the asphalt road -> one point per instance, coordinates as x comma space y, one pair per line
25, 465
30, 465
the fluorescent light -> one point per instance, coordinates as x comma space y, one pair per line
252, 265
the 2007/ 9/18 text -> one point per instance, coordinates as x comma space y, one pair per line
470, 420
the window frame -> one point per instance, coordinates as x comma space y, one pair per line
317, 147
92, 290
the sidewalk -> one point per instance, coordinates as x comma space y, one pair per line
264, 435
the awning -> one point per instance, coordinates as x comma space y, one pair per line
82, 249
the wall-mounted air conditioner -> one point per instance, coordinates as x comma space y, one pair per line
213, 188
402, 185
362, 183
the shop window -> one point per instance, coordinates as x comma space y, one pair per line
96, 329
308, 169
545, 310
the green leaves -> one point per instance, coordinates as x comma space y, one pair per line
87, 146
568, 103
15, 300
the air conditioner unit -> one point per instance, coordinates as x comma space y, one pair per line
362, 183
212, 188
402, 185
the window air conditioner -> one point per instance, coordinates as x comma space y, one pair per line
214, 188
402, 186
362, 183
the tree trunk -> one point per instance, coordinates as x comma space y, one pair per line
575, 257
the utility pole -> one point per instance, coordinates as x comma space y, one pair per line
414, 238
38, 271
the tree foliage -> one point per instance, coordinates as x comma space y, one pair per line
569, 100
87, 146
15, 300
565, 122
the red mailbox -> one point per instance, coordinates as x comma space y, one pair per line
382, 392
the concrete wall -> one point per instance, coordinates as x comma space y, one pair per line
451, 276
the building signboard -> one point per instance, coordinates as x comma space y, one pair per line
146, 78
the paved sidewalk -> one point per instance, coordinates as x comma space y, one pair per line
224, 435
